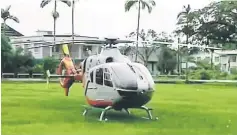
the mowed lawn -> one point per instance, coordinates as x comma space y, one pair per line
195, 109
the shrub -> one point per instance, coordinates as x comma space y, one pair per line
202, 74
221, 75
233, 71
38, 68
232, 77
50, 64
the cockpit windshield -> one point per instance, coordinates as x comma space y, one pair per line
125, 77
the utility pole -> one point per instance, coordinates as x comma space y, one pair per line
73, 3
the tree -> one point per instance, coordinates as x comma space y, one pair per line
187, 21
218, 23
125, 50
166, 60
50, 64
145, 51
6, 52
166, 56
21, 61
5, 15
141, 3
55, 14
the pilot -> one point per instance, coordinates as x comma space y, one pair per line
70, 69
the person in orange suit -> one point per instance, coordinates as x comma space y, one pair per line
67, 64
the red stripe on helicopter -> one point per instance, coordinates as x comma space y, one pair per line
99, 102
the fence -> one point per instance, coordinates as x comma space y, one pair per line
157, 78
40, 75
22, 75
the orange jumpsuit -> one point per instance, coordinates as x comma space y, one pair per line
67, 82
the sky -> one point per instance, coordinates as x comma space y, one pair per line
99, 18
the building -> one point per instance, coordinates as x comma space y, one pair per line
9, 31
227, 59
78, 51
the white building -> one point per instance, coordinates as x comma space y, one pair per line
78, 51
226, 58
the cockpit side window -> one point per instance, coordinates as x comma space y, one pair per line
91, 76
99, 76
107, 78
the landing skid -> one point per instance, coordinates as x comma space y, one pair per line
103, 113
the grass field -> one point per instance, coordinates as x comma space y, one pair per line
32, 109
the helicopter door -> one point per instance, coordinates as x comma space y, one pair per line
103, 83
91, 89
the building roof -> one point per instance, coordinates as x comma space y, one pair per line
226, 52
10, 32
69, 35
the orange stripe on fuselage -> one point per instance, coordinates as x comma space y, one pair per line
99, 103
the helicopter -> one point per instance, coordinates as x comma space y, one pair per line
111, 80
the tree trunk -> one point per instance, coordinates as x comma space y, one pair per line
54, 29
138, 25
187, 61
212, 50
178, 63
73, 2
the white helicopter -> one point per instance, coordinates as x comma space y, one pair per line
112, 80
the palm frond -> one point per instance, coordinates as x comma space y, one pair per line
152, 2
143, 4
44, 2
181, 13
188, 9
129, 4
132, 34
2, 13
149, 7
2, 10
7, 8
67, 2
14, 18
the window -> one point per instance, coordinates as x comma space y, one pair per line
87, 50
36, 50
99, 76
57, 48
107, 78
91, 75
233, 58
216, 59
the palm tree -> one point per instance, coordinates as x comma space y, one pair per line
141, 4
5, 15
55, 14
184, 18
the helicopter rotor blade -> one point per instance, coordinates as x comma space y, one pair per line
178, 44
90, 41
113, 41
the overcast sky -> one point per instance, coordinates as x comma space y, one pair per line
96, 17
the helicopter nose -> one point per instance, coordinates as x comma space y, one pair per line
143, 85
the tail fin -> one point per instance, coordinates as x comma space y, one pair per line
65, 49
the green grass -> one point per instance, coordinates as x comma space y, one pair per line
32, 109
